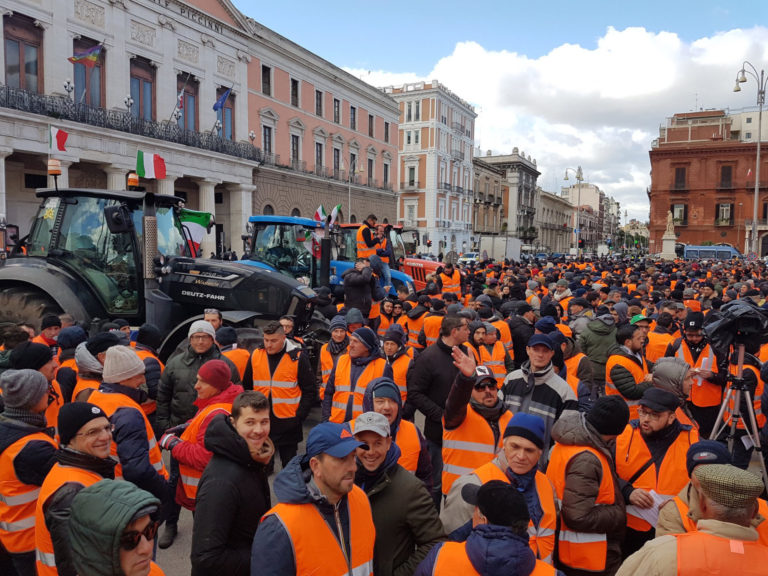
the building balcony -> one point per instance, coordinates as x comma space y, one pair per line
725, 186
446, 186
457, 154
457, 127
410, 185
723, 222
762, 224
679, 187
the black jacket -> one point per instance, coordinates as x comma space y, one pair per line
232, 496
359, 287
521, 331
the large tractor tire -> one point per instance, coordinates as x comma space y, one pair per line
26, 304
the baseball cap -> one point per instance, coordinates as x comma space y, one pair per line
483, 373
638, 318
540, 339
332, 439
372, 422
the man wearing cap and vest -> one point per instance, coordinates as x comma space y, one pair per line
516, 464
27, 452
651, 457
707, 390
399, 356
724, 542
83, 459
226, 338
582, 471
280, 370
415, 321
353, 372
627, 372
474, 420
322, 522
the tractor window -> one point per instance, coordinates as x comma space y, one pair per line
40, 237
286, 247
347, 248
396, 241
170, 242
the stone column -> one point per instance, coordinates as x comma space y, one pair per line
240, 208
116, 178
4, 153
207, 203
64, 178
167, 185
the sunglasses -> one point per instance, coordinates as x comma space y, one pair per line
488, 384
129, 540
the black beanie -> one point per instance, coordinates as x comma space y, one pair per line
609, 415
100, 342
149, 335
75, 415
49, 321
30, 355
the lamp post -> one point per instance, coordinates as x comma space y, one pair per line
352, 171
579, 179
741, 77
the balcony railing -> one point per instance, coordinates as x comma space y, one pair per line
760, 223
457, 153
680, 187
723, 221
410, 185
457, 127
446, 186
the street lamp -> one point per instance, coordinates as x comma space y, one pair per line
741, 77
69, 87
579, 179
352, 170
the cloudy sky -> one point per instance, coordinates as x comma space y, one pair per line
569, 83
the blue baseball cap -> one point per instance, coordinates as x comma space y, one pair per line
541, 339
331, 438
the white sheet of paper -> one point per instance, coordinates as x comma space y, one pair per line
650, 515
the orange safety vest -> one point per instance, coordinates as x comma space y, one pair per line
383, 245
431, 327
631, 455
326, 367
56, 478
282, 386
703, 553
580, 550
756, 403
399, 374
703, 392
565, 329
18, 500
572, 371
313, 542
469, 446
453, 560
414, 327
494, 360
407, 439
384, 323
541, 539
343, 386
363, 251
505, 336
239, 357
150, 406
111, 402
84, 384
657, 345
637, 372
68, 363
451, 283
189, 476
52, 412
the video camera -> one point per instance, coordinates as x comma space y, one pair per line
737, 322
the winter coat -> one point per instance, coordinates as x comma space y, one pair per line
176, 393
359, 287
578, 322
623, 378
582, 484
598, 341
521, 330
35, 460
232, 496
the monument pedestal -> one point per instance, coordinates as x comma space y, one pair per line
668, 242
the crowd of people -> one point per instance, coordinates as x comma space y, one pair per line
538, 418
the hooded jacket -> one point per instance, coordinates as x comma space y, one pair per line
598, 341
359, 287
521, 330
232, 496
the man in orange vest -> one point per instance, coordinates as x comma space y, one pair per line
367, 238
34, 356
581, 468
660, 337
725, 542
50, 327
449, 280
498, 542
627, 372
322, 517
399, 356
27, 452
83, 459
226, 338
430, 328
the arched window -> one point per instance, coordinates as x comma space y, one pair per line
268, 210
353, 219
296, 213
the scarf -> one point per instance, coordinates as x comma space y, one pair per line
367, 479
336, 348
36, 420
526, 485
104, 467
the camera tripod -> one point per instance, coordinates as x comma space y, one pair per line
730, 422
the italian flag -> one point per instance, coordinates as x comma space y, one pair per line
150, 165
320, 214
56, 139
334, 214
197, 224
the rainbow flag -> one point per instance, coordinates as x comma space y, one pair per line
87, 58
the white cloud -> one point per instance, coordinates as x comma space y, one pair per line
596, 107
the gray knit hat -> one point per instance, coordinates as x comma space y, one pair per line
23, 389
201, 327
121, 364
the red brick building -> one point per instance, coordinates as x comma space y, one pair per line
702, 169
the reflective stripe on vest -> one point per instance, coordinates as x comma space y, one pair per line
703, 392
494, 361
189, 475
399, 374
637, 372
414, 327
431, 327
704, 553
407, 439
56, 478
451, 283
111, 402
452, 560
632, 453
313, 541
18, 500
469, 446
580, 550
343, 389
363, 251
282, 387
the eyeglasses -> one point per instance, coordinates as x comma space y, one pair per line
94, 432
129, 540
199, 336
487, 384
649, 414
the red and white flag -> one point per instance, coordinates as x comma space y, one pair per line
57, 138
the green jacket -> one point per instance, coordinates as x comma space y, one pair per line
597, 341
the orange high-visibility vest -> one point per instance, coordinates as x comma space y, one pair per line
632, 453
150, 406
399, 374
68, 363
52, 412
703, 392
431, 327
343, 386
451, 283
84, 384
189, 476
505, 336
580, 550
239, 357
453, 560
414, 327
469, 446
384, 323
494, 360
637, 372
407, 439
541, 539
326, 367
383, 246
56, 478
704, 553
18, 500
363, 251
282, 386
111, 402
312, 540
572, 371
756, 403
657, 345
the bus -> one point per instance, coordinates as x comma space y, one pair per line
716, 252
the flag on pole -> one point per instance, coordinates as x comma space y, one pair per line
181, 100
749, 172
57, 138
150, 165
320, 214
197, 224
334, 214
219, 104
87, 58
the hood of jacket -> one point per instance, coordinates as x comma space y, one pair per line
602, 324
379, 384
416, 312
87, 362
622, 309
222, 439
497, 551
572, 429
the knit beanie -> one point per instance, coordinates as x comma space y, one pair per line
545, 325
609, 415
386, 388
49, 321
337, 322
30, 355
706, 452
354, 316
201, 327
70, 337
528, 426
395, 333
75, 415
23, 389
121, 364
226, 336
367, 337
215, 373
101, 342
149, 335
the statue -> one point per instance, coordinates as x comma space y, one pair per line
670, 223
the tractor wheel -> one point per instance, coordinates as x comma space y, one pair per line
26, 304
